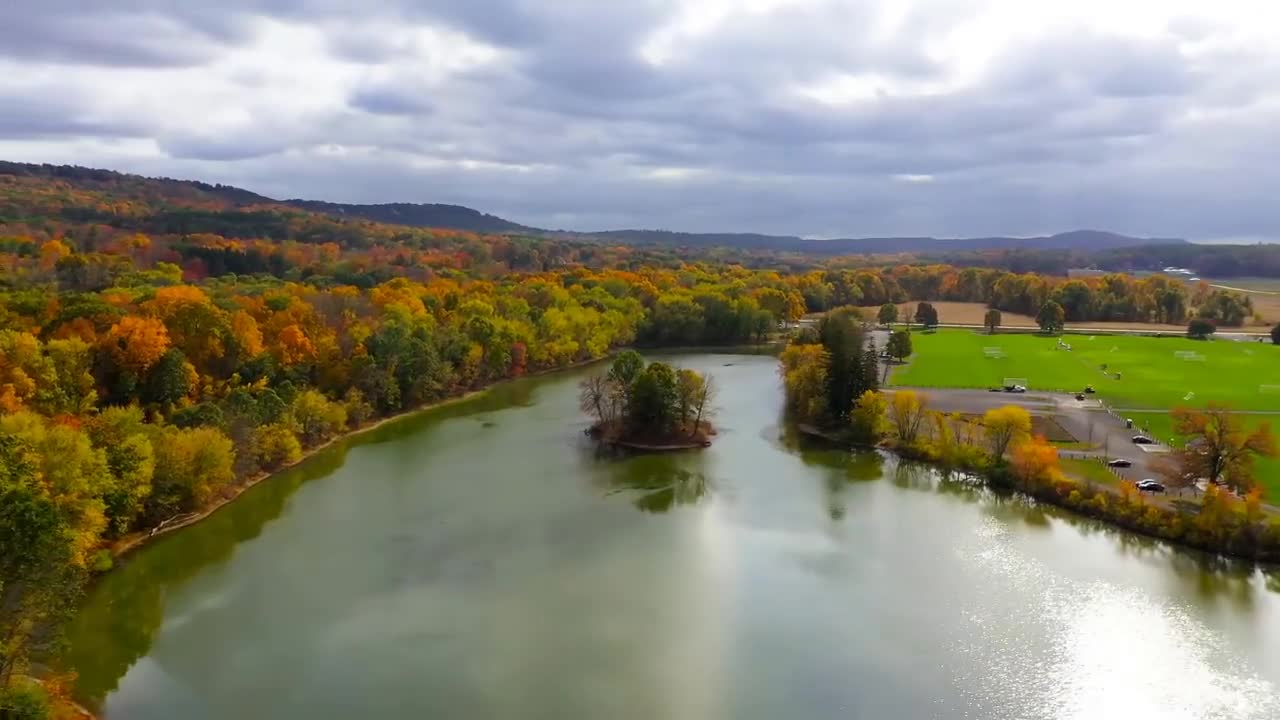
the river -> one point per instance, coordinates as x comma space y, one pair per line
482, 561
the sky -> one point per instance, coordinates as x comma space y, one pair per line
823, 118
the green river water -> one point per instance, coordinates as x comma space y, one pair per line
482, 561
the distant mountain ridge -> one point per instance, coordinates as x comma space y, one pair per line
457, 217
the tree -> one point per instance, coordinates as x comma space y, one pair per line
652, 400
599, 396
138, 342
315, 418
275, 445
1005, 427
1217, 447
192, 465
626, 367
1051, 318
870, 417
907, 412
870, 379
991, 321
804, 377
1035, 462
842, 334
702, 401
900, 344
1200, 328
888, 314
927, 315
50, 520
1275, 335
690, 386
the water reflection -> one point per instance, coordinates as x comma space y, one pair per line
660, 481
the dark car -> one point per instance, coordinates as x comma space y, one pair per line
1088, 389
1143, 440
1150, 485
1079, 396
1120, 463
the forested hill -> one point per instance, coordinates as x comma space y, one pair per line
225, 198
453, 217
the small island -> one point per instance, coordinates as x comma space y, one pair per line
653, 406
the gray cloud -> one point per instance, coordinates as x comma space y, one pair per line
577, 113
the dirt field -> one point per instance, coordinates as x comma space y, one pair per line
958, 313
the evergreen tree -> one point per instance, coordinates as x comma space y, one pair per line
870, 368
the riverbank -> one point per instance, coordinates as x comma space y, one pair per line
1219, 528
135, 540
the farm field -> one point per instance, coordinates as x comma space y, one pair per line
1156, 373
1159, 425
962, 313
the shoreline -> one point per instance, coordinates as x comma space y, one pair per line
1048, 497
136, 540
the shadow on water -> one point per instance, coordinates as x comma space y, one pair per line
133, 594
657, 482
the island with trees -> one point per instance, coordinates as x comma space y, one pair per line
648, 406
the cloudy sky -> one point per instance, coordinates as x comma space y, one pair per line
814, 117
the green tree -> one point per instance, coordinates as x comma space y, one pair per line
47, 525
626, 367
1275, 335
888, 314
122, 436
652, 400
992, 320
900, 344
1200, 328
842, 334
1051, 317
927, 314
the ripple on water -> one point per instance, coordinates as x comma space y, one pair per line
1090, 650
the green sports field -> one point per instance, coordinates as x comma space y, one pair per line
1156, 373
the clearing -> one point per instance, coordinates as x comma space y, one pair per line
1157, 373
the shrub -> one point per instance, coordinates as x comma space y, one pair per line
24, 702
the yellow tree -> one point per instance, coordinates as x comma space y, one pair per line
804, 375
1005, 427
870, 417
907, 411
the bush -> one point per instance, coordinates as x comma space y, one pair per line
24, 702
275, 445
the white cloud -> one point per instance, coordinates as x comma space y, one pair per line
767, 115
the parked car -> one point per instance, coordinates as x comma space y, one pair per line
1120, 463
1150, 485
1088, 389
1015, 388
1143, 440
1080, 396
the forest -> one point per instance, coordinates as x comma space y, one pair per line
162, 344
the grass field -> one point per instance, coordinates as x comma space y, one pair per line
1267, 470
1244, 375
